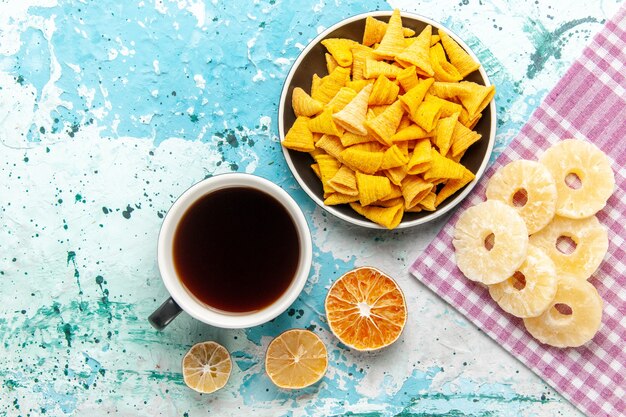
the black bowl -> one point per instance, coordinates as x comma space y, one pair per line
312, 61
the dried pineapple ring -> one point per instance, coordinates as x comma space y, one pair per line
589, 237
510, 242
528, 294
568, 330
527, 180
592, 167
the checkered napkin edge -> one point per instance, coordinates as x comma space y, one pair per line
588, 102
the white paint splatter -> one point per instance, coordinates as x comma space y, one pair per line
258, 76
319, 6
200, 81
282, 62
87, 93
14, 19
76, 68
112, 54
160, 7
146, 118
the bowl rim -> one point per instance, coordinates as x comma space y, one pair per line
366, 222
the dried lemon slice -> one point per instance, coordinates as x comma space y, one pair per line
528, 187
206, 367
296, 359
577, 246
532, 287
583, 175
475, 256
573, 318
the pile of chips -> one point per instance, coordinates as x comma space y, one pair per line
389, 124
536, 241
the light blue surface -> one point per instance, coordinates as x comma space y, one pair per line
109, 110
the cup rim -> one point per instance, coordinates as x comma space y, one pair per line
191, 304
364, 222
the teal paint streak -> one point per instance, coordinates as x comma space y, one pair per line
51, 326
153, 376
548, 44
71, 257
244, 360
68, 332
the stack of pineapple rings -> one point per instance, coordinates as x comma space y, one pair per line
536, 240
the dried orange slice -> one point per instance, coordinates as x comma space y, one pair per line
296, 359
206, 367
365, 309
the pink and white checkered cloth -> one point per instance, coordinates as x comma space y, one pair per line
588, 102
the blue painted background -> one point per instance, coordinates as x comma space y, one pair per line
109, 110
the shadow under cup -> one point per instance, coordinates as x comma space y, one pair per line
234, 251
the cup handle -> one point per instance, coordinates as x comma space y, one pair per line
164, 315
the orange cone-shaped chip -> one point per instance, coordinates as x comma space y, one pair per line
299, 137
407, 78
343, 97
383, 92
358, 85
359, 56
411, 132
448, 108
331, 84
303, 104
375, 30
414, 97
392, 42
428, 202
384, 126
328, 167
349, 139
463, 62
331, 145
417, 54
442, 167
372, 187
443, 133
421, 158
374, 68
452, 186
316, 169
338, 198
462, 138
362, 160
331, 63
397, 174
414, 189
352, 116
474, 97
389, 217
444, 71
340, 49
426, 115
324, 124
393, 157
344, 181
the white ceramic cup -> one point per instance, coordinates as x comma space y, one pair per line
181, 298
